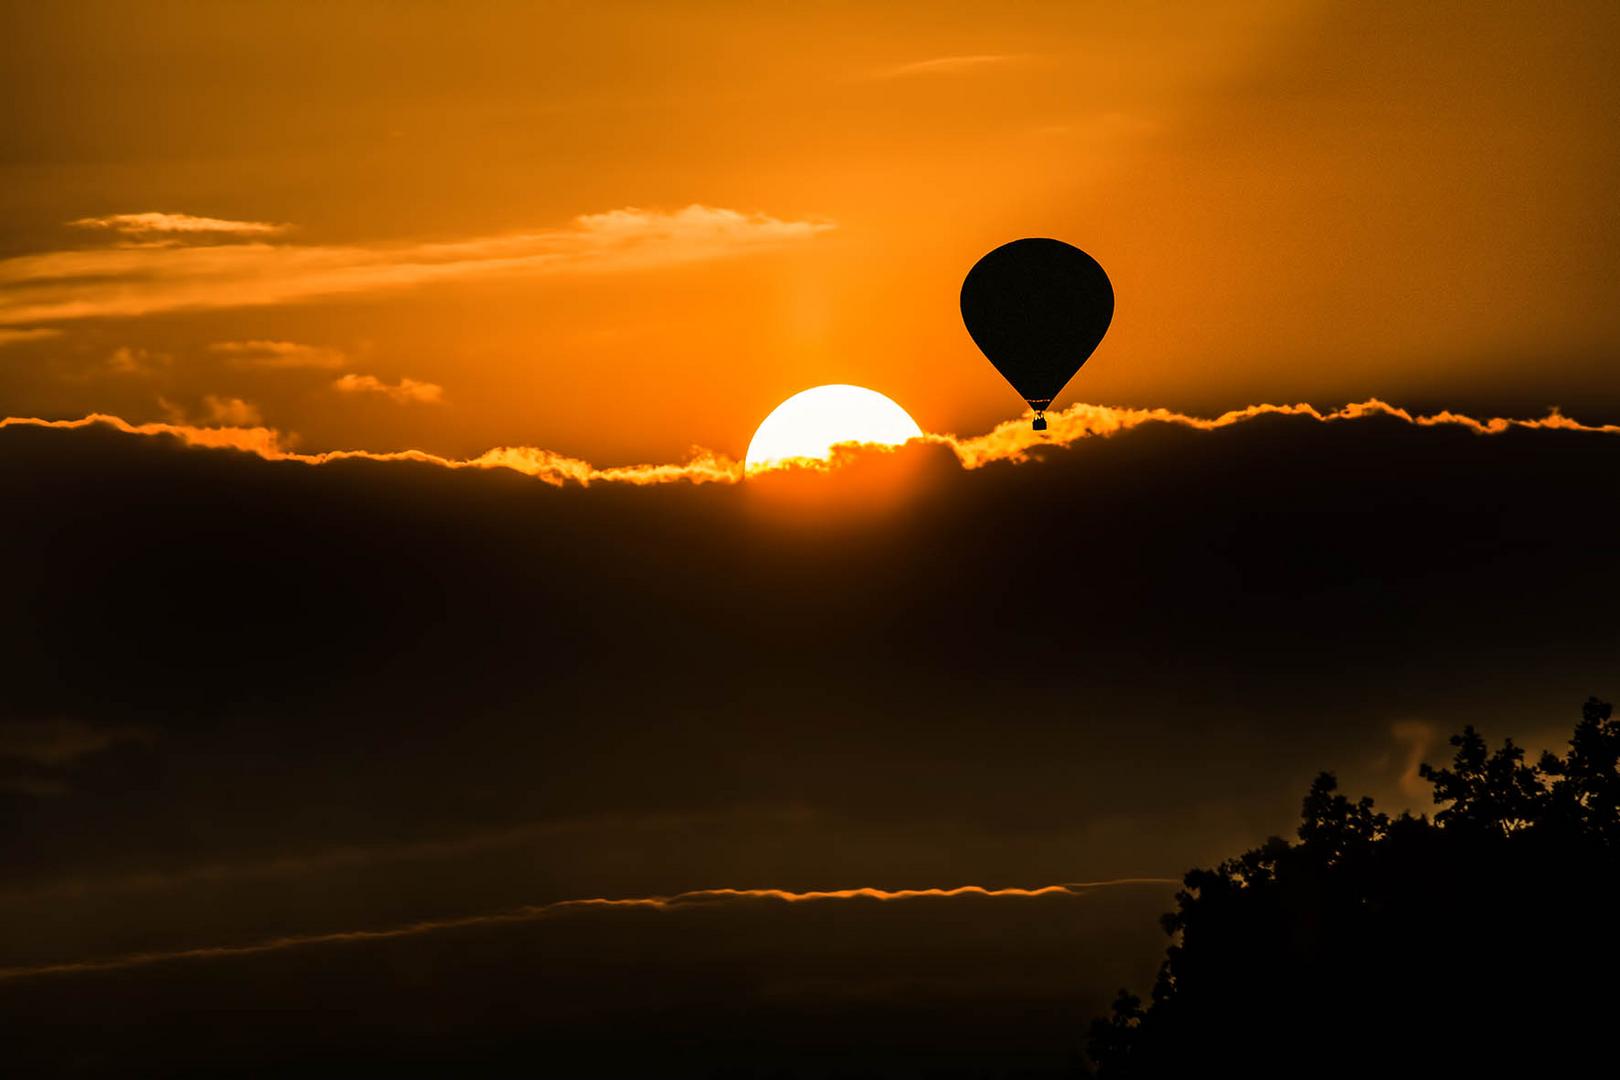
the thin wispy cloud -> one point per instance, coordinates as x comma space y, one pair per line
341, 856
127, 281
279, 354
16, 337
129, 360
158, 223
34, 753
946, 65
537, 912
58, 740
404, 392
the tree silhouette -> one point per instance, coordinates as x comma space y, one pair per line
1482, 941
1495, 793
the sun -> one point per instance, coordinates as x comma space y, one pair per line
810, 423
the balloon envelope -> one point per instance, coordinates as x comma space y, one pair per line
1037, 308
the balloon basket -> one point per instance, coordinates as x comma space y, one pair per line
1039, 424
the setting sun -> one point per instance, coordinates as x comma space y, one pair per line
810, 423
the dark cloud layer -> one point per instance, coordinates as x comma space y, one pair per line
370, 693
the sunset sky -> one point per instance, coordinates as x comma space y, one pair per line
399, 674
619, 230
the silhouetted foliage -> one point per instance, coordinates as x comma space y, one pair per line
1482, 942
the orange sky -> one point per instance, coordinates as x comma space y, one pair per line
618, 230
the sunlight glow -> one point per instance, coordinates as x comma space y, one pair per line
810, 423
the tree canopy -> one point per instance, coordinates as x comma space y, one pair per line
1482, 939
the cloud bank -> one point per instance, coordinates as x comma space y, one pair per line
1014, 441
1010, 442
1120, 660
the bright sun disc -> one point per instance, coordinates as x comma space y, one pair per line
810, 423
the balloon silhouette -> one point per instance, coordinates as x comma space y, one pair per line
1037, 308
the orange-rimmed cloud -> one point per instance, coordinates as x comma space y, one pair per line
405, 392
537, 912
1012, 441
143, 279
278, 355
548, 466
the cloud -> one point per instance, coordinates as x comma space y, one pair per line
547, 466
344, 857
1011, 442
528, 836
154, 223
256, 440
226, 413
128, 360
404, 392
60, 740
1015, 442
129, 281
945, 65
15, 337
1098, 661
231, 410
279, 354
1418, 738
44, 747
532, 913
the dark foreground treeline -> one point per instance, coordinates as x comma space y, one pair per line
1481, 942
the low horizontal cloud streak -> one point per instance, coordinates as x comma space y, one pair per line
1011, 442
17, 337
61, 740
156, 222
278, 354
945, 65
534, 913
35, 753
129, 281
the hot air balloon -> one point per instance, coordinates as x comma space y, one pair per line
1037, 309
